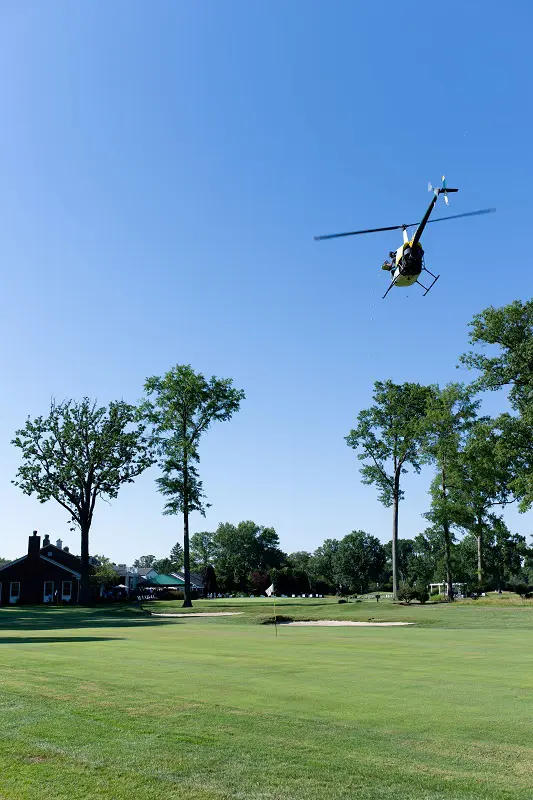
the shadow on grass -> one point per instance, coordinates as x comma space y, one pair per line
42, 618
56, 639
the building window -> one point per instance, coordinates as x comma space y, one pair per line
66, 590
48, 591
14, 591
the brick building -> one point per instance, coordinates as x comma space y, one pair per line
37, 576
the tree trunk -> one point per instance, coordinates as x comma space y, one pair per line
479, 536
447, 541
395, 499
187, 602
447, 559
85, 594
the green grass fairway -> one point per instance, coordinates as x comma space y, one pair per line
112, 704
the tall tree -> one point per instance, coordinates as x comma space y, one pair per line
389, 437
449, 414
509, 331
181, 406
80, 452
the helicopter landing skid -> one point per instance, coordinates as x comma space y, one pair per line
391, 284
427, 288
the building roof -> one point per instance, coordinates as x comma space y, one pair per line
196, 580
44, 558
164, 580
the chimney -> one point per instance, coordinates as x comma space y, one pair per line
46, 541
59, 544
66, 550
34, 545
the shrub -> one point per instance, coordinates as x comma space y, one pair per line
342, 600
524, 590
406, 592
421, 593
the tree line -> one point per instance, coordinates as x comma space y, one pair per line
80, 452
247, 558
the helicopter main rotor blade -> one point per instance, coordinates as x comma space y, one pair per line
356, 233
410, 225
468, 214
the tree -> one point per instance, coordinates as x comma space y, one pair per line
202, 552
184, 405
505, 553
163, 566
3, 561
102, 574
482, 480
404, 557
259, 582
80, 452
510, 330
450, 411
389, 436
359, 561
426, 559
243, 549
299, 560
145, 562
176, 556
322, 566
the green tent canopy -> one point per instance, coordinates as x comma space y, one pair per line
164, 580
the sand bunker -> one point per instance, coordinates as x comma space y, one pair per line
326, 623
201, 614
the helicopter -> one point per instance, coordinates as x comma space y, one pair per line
407, 263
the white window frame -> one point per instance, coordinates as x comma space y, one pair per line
65, 595
14, 598
48, 597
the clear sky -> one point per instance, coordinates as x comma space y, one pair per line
164, 167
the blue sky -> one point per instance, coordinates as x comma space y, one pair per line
164, 169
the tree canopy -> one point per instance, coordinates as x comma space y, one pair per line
78, 453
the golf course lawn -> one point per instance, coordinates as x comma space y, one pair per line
110, 703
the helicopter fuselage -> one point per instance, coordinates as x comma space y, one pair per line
408, 265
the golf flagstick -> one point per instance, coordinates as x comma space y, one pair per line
270, 593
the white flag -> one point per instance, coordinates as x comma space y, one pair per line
270, 589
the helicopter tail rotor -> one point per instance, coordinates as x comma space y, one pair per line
442, 190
